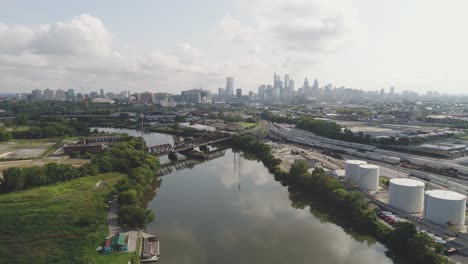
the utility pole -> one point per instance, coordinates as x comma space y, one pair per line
142, 131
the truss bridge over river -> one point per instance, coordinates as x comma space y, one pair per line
168, 168
165, 149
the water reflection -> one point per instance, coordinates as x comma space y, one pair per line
201, 217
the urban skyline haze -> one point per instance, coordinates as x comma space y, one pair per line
181, 45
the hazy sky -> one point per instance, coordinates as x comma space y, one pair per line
175, 45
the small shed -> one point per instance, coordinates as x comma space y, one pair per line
117, 243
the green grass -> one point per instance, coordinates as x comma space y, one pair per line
60, 223
17, 128
246, 125
462, 136
116, 258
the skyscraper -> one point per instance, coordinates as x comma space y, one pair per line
221, 92
36, 94
238, 92
70, 95
102, 93
229, 87
276, 81
286, 81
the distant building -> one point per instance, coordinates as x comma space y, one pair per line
238, 92
36, 94
229, 87
262, 93
60, 95
221, 92
102, 93
146, 98
48, 94
196, 96
70, 95
108, 138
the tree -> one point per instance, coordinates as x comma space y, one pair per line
128, 197
134, 217
4, 135
13, 180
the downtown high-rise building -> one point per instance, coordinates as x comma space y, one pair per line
229, 87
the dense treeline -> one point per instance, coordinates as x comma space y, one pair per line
128, 157
331, 130
267, 115
16, 179
46, 128
403, 241
38, 108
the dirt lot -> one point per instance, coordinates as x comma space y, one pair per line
25, 149
39, 162
283, 152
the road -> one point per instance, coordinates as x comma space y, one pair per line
112, 222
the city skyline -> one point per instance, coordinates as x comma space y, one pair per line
358, 44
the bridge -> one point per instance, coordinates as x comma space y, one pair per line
164, 149
168, 168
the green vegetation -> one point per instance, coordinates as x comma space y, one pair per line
129, 157
115, 258
403, 241
60, 223
267, 115
16, 179
247, 125
353, 110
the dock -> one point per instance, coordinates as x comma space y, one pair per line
150, 248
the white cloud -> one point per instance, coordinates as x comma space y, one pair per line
83, 35
82, 51
299, 30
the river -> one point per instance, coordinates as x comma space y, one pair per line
231, 210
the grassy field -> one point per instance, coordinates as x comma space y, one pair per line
61, 223
246, 125
117, 258
463, 136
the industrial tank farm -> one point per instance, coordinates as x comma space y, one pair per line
368, 177
352, 170
445, 207
406, 195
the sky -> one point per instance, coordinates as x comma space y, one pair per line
152, 45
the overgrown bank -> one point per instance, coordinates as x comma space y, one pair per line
60, 223
403, 241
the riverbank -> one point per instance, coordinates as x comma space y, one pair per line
60, 223
403, 241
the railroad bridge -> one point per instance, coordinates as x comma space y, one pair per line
165, 149
168, 168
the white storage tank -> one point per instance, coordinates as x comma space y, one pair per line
368, 177
352, 169
406, 195
443, 207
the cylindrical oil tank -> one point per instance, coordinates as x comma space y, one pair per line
368, 177
406, 195
352, 169
445, 207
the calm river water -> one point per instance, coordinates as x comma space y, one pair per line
231, 210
